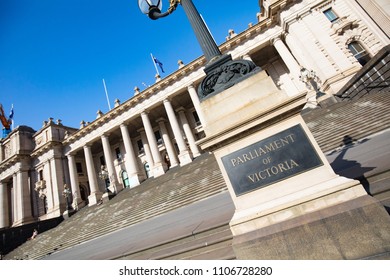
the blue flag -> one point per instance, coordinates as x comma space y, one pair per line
11, 114
159, 64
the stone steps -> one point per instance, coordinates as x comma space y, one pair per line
356, 119
153, 210
210, 244
177, 188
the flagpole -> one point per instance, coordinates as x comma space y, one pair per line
108, 100
12, 119
154, 63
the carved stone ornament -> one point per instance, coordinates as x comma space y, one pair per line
40, 187
226, 76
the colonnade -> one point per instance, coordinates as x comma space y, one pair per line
183, 136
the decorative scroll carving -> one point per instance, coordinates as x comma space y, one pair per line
225, 76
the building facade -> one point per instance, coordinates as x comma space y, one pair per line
304, 46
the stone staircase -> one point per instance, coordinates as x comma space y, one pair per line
213, 244
178, 187
350, 120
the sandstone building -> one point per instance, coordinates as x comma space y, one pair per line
313, 47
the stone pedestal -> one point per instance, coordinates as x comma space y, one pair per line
289, 202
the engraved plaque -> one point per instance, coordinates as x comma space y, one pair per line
278, 157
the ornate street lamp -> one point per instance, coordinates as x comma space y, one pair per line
221, 71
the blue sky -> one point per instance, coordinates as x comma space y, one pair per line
54, 54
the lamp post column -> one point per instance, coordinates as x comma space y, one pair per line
206, 41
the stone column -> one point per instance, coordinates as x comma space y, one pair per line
57, 188
110, 164
287, 57
188, 132
130, 158
96, 194
1, 153
303, 55
308, 52
168, 143
290, 61
22, 212
147, 151
74, 179
14, 202
184, 154
4, 206
195, 100
158, 168
297, 50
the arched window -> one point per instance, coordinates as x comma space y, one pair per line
359, 52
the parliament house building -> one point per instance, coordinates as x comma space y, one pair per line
314, 48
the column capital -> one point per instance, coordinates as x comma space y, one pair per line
87, 146
284, 34
105, 135
71, 155
159, 120
276, 38
180, 109
124, 124
167, 100
144, 112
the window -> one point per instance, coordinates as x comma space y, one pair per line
196, 118
359, 52
102, 161
118, 154
330, 15
140, 147
158, 137
79, 168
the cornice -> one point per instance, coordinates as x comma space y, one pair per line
45, 147
306, 10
